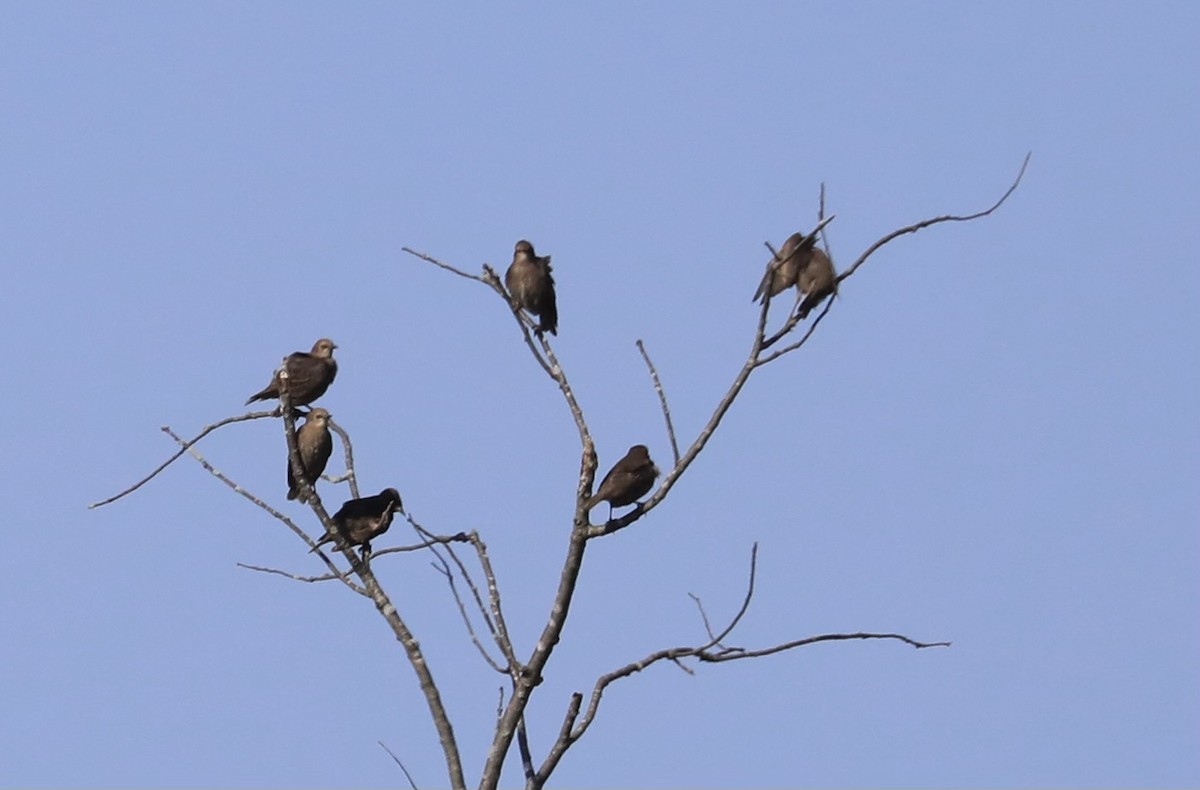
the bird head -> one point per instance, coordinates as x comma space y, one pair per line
323, 348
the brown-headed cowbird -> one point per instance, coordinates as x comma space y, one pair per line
817, 280
359, 521
629, 480
529, 281
314, 444
309, 375
783, 271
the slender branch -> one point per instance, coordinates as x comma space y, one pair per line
445, 266
788, 328
572, 732
736, 653
407, 775
925, 223
820, 219
442, 567
348, 449
260, 503
361, 567
523, 748
255, 415
309, 579
662, 398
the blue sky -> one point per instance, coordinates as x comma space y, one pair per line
992, 439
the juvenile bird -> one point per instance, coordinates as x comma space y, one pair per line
309, 375
629, 480
314, 445
529, 281
359, 521
784, 269
817, 280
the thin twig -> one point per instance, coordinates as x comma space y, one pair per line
255, 415
442, 567
788, 328
260, 503
309, 579
935, 220
662, 398
820, 217
571, 732
446, 266
523, 748
407, 775
348, 449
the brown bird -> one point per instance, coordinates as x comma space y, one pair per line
309, 375
817, 280
314, 445
784, 269
529, 281
629, 480
359, 521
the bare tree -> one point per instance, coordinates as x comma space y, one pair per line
473, 583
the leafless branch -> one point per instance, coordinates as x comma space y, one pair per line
787, 328
572, 732
820, 219
348, 448
662, 398
446, 266
309, 579
360, 565
442, 567
523, 748
260, 503
255, 415
407, 775
925, 223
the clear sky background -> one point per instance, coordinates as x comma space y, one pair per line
993, 438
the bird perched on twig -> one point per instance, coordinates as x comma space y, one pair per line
359, 521
309, 375
817, 280
630, 479
783, 270
529, 281
314, 444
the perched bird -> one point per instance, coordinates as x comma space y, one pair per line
629, 480
529, 281
817, 280
309, 375
359, 521
314, 445
784, 269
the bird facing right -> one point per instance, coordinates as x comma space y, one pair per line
359, 521
529, 281
630, 479
309, 375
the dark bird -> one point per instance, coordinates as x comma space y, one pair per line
529, 281
359, 521
314, 445
817, 280
784, 269
630, 479
309, 375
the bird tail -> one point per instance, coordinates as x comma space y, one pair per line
549, 320
591, 503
